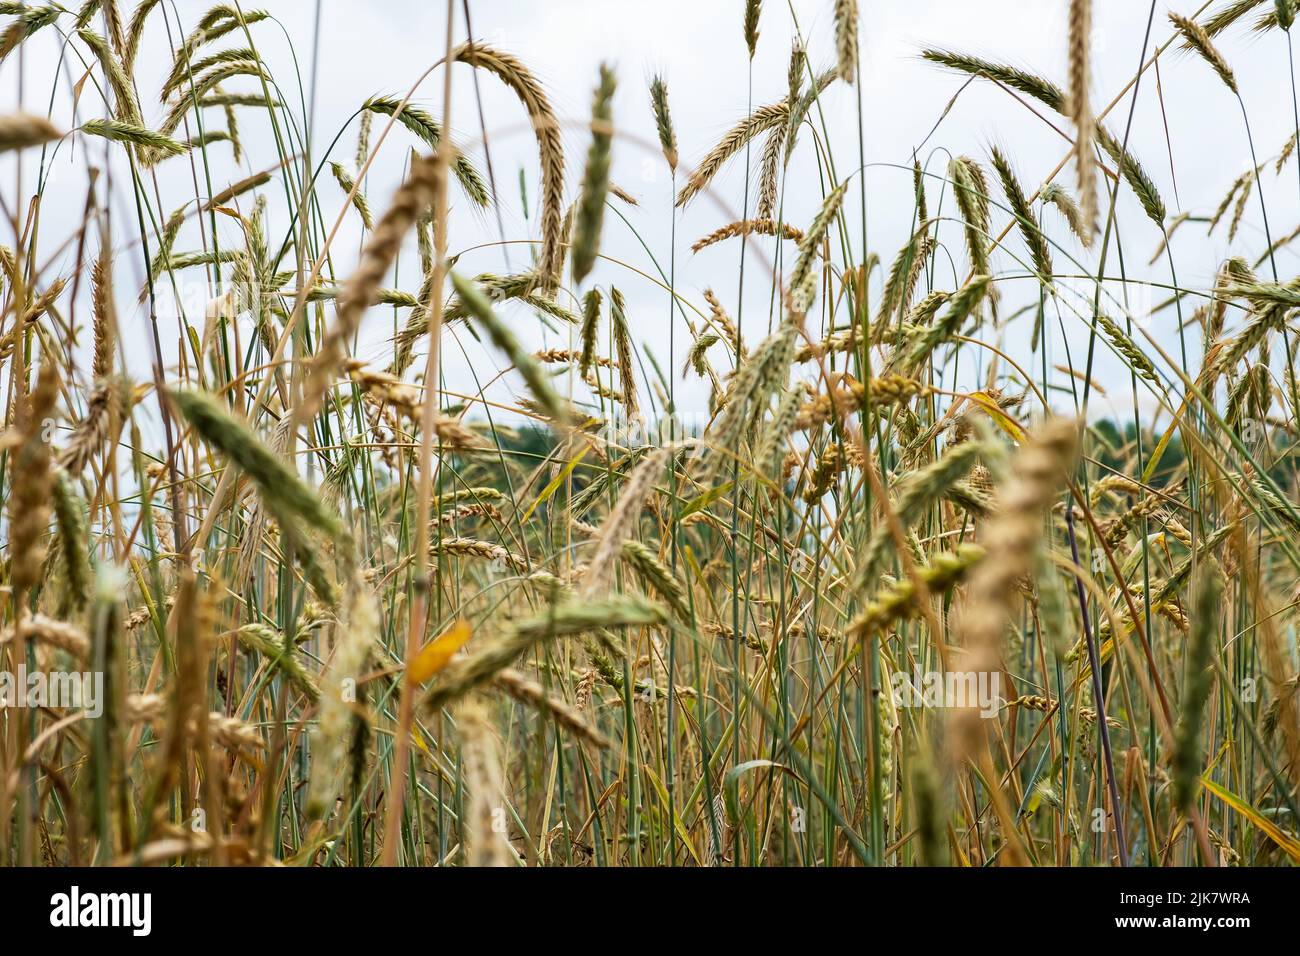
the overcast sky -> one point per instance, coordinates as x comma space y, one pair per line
384, 46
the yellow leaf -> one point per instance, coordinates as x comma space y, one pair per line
1000, 418
418, 739
1289, 844
704, 500
682, 833
76, 89
438, 653
1161, 445
554, 484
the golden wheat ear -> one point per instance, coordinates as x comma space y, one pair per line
23, 130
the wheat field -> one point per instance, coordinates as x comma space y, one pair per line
334, 537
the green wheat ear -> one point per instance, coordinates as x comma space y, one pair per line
120, 132
565, 620
281, 488
664, 121
1188, 743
